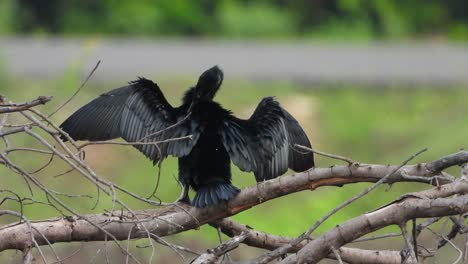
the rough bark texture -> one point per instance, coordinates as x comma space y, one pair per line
420, 205
173, 219
9, 108
267, 241
215, 255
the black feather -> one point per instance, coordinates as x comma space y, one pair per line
139, 112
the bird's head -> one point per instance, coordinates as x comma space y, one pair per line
208, 84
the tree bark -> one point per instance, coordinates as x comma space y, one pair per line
418, 205
174, 219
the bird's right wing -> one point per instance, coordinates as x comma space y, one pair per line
299, 160
258, 144
262, 143
138, 112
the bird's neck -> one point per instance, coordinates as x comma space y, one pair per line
188, 97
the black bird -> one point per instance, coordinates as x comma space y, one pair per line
262, 144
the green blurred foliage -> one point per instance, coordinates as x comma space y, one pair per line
336, 19
6, 16
256, 19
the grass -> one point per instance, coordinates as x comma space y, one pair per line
369, 125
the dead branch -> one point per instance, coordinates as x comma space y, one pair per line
11, 107
449, 198
328, 155
77, 90
213, 255
189, 137
280, 251
424, 204
267, 241
174, 219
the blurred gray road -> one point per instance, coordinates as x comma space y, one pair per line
303, 62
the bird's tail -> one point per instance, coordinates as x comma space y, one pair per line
214, 193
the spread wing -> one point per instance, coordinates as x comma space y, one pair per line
137, 113
298, 160
263, 143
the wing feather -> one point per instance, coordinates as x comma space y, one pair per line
299, 160
263, 143
135, 113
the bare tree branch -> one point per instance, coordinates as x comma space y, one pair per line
213, 255
448, 198
411, 256
9, 108
174, 219
134, 143
28, 256
425, 204
280, 251
336, 253
271, 242
77, 90
332, 156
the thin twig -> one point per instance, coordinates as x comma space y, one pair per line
265, 258
62, 204
165, 129
376, 237
133, 143
77, 91
337, 255
74, 253
9, 108
13, 131
409, 244
333, 156
460, 252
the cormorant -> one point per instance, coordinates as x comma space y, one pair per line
262, 144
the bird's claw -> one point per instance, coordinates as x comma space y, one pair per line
184, 200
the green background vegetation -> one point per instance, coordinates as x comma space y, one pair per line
322, 19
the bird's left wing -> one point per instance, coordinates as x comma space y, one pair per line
263, 143
139, 113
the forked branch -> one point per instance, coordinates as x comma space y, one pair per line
448, 198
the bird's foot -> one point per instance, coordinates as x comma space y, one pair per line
183, 199
184, 196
